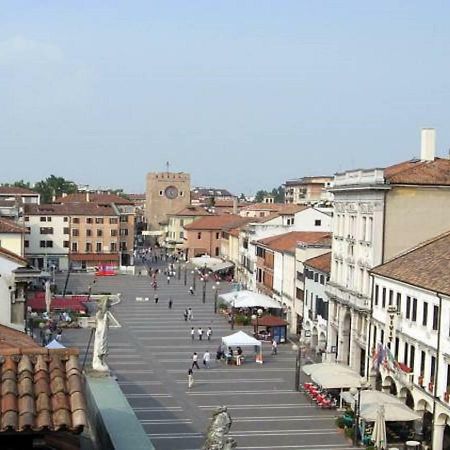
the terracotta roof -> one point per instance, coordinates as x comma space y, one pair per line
11, 190
136, 196
12, 256
216, 222
426, 266
290, 208
10, 338
191, 211
41, 390
70, 209
8, 226
436, 172
7, 203
81, 197
288, 242
270, 321
322, 262
264, 207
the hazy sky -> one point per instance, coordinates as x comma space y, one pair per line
242, 94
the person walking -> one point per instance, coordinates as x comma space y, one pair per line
192, 333
200, 333
190, 378
274, 347
156, 299
209, 333
185, 314
206, 358
168, 279
190, 313
170, 303
191, 290
195, 361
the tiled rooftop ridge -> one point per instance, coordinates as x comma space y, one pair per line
41, 390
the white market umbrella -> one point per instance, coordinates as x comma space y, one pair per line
48, 296
379, 430
249, 299
54, 344
202, 261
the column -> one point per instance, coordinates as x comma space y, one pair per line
438, 436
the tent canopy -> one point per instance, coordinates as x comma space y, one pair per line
54, 344
332, 375
395, 409
249, 299
202, 261
240, 339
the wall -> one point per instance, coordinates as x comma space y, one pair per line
413, 215
12, 242
6, 281
208, 242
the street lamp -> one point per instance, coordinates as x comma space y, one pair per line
179, 270
216, 294
298, 364
185, 274
193, 279
232, 311
203, 278
255, 317
357, 409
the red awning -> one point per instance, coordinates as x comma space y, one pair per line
71, 302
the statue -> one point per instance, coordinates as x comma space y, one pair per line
217, 434
101, 335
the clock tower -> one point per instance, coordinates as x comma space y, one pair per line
167, 193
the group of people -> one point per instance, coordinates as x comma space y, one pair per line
200, 333
228, 355
206, 359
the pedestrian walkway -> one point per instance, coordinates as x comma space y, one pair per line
152, 352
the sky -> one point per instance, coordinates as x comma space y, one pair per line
242, 94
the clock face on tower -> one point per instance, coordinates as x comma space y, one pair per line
171, 192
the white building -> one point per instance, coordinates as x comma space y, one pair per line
378, 214
316, 274
293, 218
12, 236
411, 316
49, 240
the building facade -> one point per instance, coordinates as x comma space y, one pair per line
308, 190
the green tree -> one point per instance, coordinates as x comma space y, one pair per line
54, 186
19, 183
260, 196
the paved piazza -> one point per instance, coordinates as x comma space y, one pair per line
151, 353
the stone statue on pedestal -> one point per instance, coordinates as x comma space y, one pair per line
217, 434
101, 335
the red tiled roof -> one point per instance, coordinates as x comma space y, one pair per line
216, 222
436, 172
426, 266
81, 197
10, 338
136, 196
322, 262
8, 226
270, 321
13, 256
11, 190
41, 390
264, 207
70, 209
287, 242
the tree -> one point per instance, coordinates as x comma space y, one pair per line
277, 194
260, 196
19, 183
54, 186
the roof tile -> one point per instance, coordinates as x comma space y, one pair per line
287, 242
322, 262
436, 172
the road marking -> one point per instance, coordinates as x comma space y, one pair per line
177, 436
233, 393
281, 418
235, 380
236, 369
164, 421
263, 406
160, 409
147, 395
299, 447
138, 383
122, 371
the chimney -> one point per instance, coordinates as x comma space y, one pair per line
87, 196
235, 205
428, 144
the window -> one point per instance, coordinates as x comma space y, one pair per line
66, 230
363, 228
113, 247
399, 302
322, 279
435, 317
433, 367
425, 314
369, 231
383, 298
124, 232
376, 294
26, 244
88, 248
199, 235
76, 220
46, 244
75, 232
113, 220
161, 193
181, 193
181, 234
98, 247
75, 247
124, 219
317, 223
397, 345
43, 219
46, 230
412, 352
26, 218
66, 219
414, 310
99, 220
391, 297
408, 306
66, 244
316, 277
42, 244
422, 362
123, 246
217, 235
89, 233
89, 220
217, 251
113, 232
405, 354
49, 219
99, 233
382, 336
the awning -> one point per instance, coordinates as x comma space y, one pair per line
395, 409
249, 299
54, 344
240, 339
221, 266
333, 376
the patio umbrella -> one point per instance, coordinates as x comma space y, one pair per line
379, 430
48, 296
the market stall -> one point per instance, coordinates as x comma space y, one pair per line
241, 339
274, 328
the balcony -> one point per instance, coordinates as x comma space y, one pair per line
348, 297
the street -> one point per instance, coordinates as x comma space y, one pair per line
151, 353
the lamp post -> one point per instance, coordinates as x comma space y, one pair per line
203, 278
232, 311
179, 270
298, 364
216, 294
357, 391
256, 317
185, 274
193, 279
